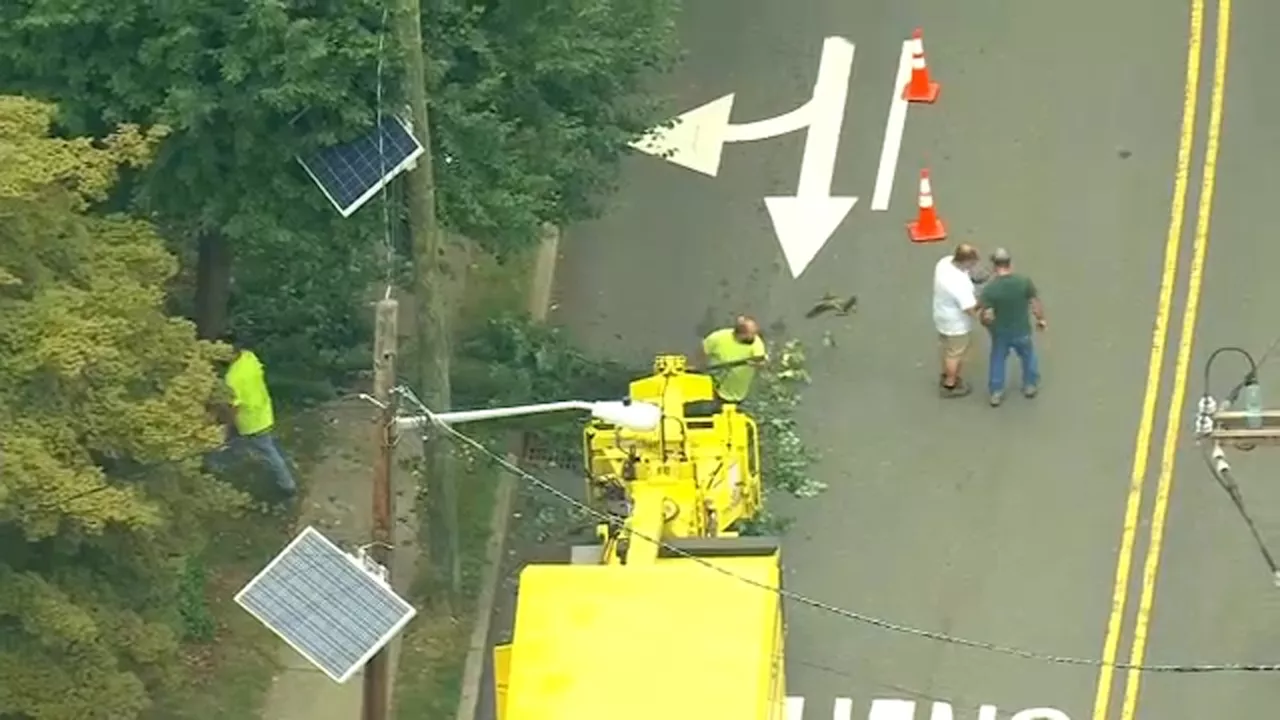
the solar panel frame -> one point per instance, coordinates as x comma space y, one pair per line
351, 173
318, 615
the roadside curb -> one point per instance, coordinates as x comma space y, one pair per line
478, 647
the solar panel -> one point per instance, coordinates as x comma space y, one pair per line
326, 604
352, 173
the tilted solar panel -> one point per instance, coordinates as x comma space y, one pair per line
325, 604
351, 173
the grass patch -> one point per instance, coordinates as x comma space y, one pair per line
228, 674
434, 646
494, 287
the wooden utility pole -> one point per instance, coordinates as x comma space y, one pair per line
377, 670
431, 313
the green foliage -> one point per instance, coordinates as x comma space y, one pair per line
534, 103
513, 360
197, 622
102, 419
295, 299
246, 88
785, 459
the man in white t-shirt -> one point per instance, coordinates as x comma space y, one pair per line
955, 305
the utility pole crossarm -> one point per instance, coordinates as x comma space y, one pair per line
1233, 427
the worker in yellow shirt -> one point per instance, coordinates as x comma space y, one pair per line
250, 417
733, 354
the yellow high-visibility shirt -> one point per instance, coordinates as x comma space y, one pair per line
721, 346
248, 383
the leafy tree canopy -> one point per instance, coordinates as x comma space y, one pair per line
534, 104
246, 87
102, 417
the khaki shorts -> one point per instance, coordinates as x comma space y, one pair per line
953, 347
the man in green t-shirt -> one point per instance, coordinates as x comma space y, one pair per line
250, 417
1008, 302
739, 350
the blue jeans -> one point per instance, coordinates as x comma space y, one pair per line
1024, 348
264, 445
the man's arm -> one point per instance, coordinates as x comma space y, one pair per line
704, 358
1037, 308
968, 300
986, 313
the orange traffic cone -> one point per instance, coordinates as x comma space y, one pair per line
919, 88
928, 227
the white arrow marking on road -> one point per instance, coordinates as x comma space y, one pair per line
1040, 714
784, 124
892, 710
896, 709
943, 711
697, 139
893, 129
806, 221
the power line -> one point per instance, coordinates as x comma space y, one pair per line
816, 604
388, 242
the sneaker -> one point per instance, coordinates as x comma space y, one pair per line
1030, 391
996, 399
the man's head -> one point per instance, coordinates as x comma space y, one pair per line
965, 257
1002, 261
745, 330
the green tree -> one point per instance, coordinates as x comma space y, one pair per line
533, 106
102, 420
245, 88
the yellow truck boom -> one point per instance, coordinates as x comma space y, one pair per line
690, 626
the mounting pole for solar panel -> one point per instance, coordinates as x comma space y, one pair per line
377, 671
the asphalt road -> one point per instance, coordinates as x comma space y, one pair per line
1057, 136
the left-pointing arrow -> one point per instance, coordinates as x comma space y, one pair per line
804, 222
696, 140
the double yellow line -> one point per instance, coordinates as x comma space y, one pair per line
1142, 446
